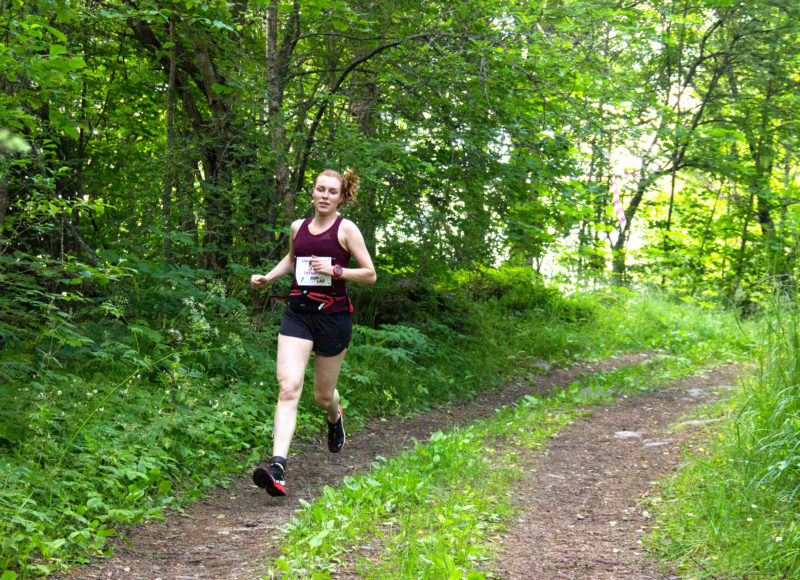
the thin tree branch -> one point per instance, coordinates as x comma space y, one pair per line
300, 174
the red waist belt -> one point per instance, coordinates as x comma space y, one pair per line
325, 300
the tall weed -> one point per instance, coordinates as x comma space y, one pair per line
732, 512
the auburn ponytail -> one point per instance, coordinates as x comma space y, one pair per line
349, 187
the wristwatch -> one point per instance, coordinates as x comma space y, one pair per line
337, 272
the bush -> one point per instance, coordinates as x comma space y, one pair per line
400, 300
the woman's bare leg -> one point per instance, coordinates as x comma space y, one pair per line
293, 355
326, 375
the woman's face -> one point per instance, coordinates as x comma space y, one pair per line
327, 194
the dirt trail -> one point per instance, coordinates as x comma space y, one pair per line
582, 510
581, 519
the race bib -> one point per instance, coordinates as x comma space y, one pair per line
305, 273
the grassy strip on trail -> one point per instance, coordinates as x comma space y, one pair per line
436, 511
155, 417
733, 511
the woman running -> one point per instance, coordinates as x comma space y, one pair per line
318, 317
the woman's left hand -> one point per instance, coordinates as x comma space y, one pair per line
322, 265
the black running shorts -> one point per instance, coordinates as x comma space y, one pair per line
330, 333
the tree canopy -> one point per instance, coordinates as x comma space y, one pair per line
175, 137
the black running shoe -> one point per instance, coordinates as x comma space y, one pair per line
336, 434
270, 478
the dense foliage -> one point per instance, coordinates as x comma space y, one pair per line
162, 139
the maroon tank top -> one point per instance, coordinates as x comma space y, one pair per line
325, 244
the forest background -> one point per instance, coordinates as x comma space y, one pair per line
153, 154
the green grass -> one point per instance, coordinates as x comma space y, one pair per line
733, 510
428, 513
438, 510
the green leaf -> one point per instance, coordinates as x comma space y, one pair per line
57, 33
57, 49
222, 89
76, 62
316, 541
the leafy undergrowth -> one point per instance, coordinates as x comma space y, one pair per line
91, 442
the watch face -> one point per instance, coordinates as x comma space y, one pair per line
337, 270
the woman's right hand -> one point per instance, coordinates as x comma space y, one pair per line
258, 281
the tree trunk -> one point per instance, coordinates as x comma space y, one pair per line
4, 199
739, 268
217, 165
218, 135
89, 254
618, 249
187, 203
169, 173
275, 88
701, 251
668, 226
